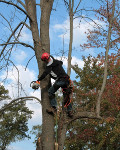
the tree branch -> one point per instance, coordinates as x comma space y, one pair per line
11, 37
29, 61
83, 17
38, 4
19, 1
9, 3
77, 7
24, 44
85, 114
17, 101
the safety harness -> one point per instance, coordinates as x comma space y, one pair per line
68, 91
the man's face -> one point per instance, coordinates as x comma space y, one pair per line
46, 61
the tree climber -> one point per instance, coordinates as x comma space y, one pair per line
55, 70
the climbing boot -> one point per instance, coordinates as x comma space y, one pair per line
52, 111
70, 114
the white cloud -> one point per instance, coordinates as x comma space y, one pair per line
36, 107
26, 36
74, 61
89, 51
37, 112
25, 77
19, 56
13, 148
79, 36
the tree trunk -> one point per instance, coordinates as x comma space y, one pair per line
71, 36
42, 42
106, 62
47, 137
62, 128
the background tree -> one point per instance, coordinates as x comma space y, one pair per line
92, 81
72, 12
13, 121
94, 134
109, 13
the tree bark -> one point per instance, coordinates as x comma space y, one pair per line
62, 128
42, 42
64, 121
71, 36
48, 139
106, 61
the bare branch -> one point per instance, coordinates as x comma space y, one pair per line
85, 114
17, 101
38, 4
11, 37
83, 9
77, 7
24, 44
9, 3
29, 61
116, 40
5, 20
19, 1
83, 17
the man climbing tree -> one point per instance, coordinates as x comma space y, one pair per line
55, 70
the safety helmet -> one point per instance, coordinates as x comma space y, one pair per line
45, 56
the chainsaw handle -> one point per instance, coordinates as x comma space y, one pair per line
38, 82
31, 83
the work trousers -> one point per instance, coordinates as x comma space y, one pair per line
64, 84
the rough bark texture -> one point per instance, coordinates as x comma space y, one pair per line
62, 128
42, 42
48, 120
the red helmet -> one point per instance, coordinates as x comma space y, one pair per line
45, 56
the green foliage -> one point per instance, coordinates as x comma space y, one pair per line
3, 93
13, 122
91, 76
92, 134
37, 131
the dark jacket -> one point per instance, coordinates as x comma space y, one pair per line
55, 69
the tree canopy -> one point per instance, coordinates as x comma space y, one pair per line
13, 121
94, 134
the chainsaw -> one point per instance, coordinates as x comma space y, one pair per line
35, 85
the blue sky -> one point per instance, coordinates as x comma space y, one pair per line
59, 28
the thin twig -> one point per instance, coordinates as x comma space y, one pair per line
10, 3
29, 61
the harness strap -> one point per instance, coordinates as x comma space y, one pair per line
71, 88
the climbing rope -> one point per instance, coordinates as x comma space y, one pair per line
56, 141
56, 127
